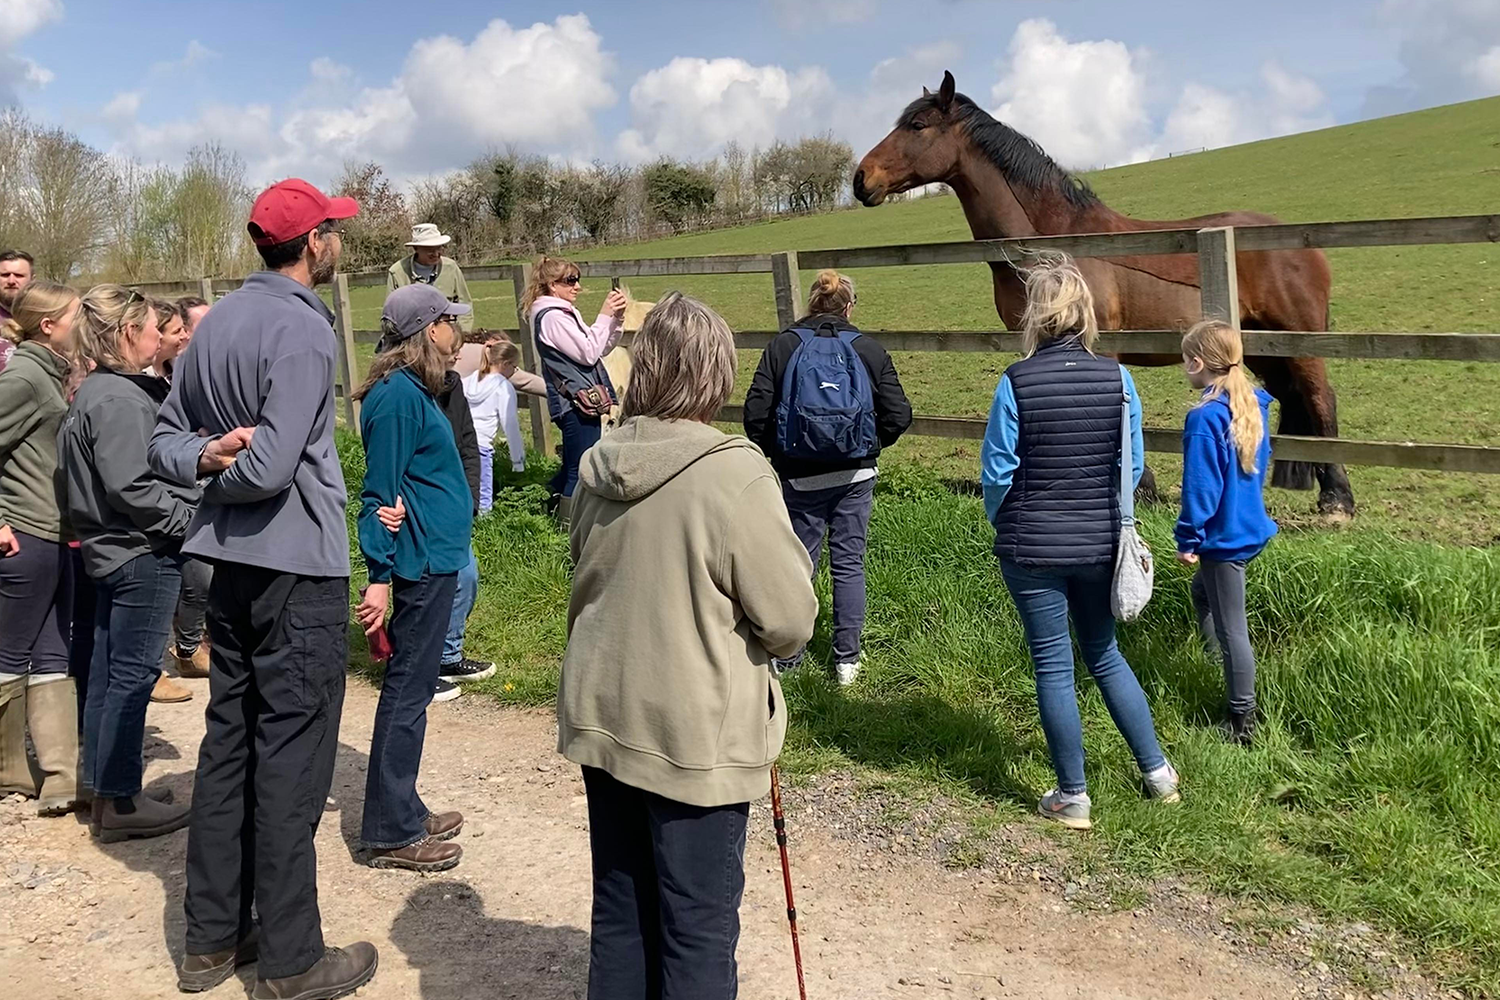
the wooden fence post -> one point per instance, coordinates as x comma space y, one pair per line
343, 324
788, 282
206, 290
541, 431
1218, 276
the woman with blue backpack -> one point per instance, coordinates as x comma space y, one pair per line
824, 402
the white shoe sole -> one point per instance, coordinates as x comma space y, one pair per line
1071, 822
446, 695
469, 678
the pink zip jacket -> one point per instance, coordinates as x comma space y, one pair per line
584, 344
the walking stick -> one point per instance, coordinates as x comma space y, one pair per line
779, 818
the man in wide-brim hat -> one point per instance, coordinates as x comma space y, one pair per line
426, 265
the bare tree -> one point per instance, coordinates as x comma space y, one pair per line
64, 203
377, 235
596, 195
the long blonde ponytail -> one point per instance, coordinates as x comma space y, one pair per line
1219, 347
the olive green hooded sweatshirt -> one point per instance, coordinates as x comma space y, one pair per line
688, 581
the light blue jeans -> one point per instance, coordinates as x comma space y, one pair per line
486, 479
464, 597
1045, 599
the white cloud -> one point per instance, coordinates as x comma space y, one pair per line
19, 20
1207, 116
124, 106
1449, 51
810, 13
1085, 102
892, 85
196, 54
537, 86
691, 107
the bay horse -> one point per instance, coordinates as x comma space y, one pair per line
1009, 187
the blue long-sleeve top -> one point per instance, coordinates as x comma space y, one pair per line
1223, 507
999, 458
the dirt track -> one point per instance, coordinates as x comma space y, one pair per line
80, 919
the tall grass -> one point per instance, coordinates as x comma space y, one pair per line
1373, 791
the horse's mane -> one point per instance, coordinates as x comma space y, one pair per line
1015, 155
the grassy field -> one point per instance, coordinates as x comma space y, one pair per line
1440, 162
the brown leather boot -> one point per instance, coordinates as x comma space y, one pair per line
52, 717
443, 826
338, 973
150, 819
169, 692
426, 855
200, 973
195, 666
15, 769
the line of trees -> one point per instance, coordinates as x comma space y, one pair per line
85, 215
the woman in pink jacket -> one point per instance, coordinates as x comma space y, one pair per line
579, 393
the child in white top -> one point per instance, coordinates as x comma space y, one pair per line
492, 404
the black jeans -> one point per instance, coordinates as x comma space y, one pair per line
81, 653
276, 691
192, 606
579, 434
394, 812
843, 512
132, 619
36, 607
668, 879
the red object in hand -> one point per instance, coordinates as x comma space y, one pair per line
380, 645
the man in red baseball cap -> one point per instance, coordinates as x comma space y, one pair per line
252, 409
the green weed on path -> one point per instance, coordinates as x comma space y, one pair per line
1373, 792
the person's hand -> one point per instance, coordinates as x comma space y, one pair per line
373, 601
1188, 558
8, 544
392, 517
219, 454
614, 302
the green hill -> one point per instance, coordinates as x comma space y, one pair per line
1442, 161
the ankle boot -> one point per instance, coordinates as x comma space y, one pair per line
150, 819
15, 769
338, 973
52, 717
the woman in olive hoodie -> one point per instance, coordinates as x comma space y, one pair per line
688, 582
36, 570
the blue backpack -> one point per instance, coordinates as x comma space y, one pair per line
827, 409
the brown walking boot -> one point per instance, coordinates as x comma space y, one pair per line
338, 973
52, 717
194, 667
200, 973
169, 692
443, 826
150, 819
426, 855
15, 769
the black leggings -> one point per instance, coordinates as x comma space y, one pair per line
36, 607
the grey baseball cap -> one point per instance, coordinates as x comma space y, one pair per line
411, 309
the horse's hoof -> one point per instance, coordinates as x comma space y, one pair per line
1336, 509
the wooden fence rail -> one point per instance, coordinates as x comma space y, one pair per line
1217, 250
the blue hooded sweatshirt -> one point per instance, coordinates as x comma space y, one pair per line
1223, 507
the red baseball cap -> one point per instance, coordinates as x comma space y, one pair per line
292, 208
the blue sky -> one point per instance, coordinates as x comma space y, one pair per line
422, 87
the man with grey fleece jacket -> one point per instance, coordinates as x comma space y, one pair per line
259, 373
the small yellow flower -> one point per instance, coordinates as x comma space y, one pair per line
509, 686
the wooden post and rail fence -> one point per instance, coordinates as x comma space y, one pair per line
1216, 250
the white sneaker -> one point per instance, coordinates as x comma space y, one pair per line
1161, 784
446, 691
847, 672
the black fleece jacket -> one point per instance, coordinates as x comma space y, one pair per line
892, 409
456, 408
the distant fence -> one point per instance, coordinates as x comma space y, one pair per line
1217, 250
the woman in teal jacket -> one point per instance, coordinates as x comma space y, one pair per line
410, 456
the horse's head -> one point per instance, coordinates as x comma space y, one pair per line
635, 311
923, 147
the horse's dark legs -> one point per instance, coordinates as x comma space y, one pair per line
1309, 408
1146, 491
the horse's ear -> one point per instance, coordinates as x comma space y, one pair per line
945, 92
926, 92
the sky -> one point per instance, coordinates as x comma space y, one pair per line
300, 88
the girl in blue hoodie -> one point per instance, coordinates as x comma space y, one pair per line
1226, 451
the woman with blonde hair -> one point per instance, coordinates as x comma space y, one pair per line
1050, 468
824, 402
1226, 451
679, 536
36, 568
131, 524
579, 393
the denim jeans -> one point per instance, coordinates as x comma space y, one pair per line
579, 434
276, 694
668, 879
486, 479
1045, 598
464, 595
192, 606
394, 812
36, 607
132, 619
844, 513
1219, 599
81, 651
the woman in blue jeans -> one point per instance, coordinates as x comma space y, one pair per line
1050, 468
579, 393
